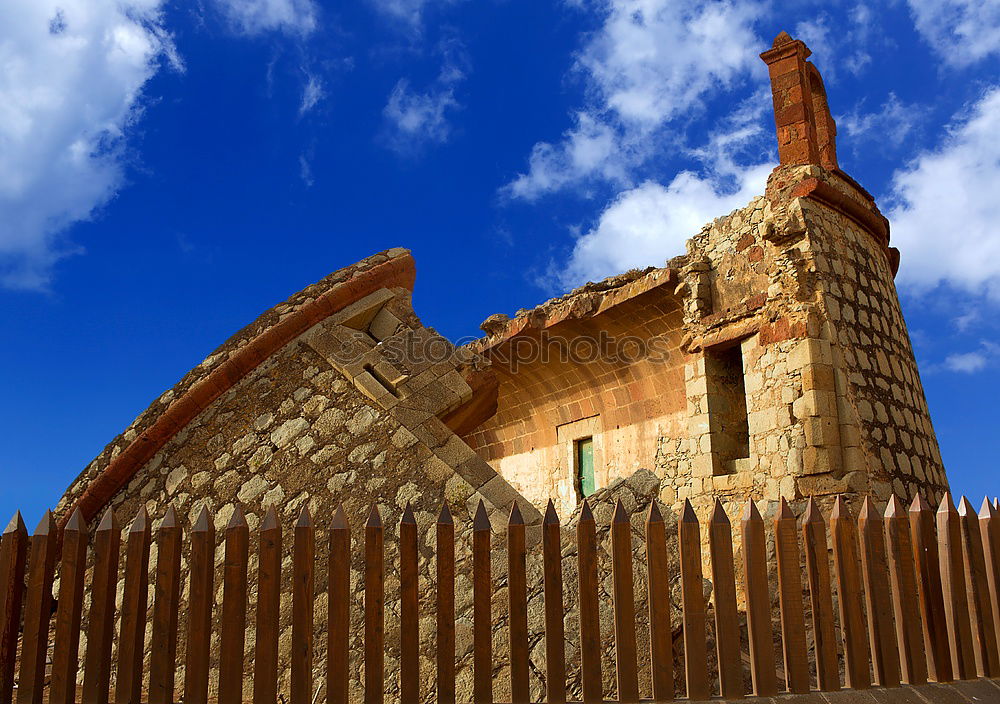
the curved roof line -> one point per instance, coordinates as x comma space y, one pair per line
398, 271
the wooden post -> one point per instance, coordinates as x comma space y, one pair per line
338, 655
626, 652
850, 596
727, 625
374, 609
13, 554
905, 606
925, 558
517, 603
37, 611
881, 630
693, 604
984, 636
761, 634
482, 613
132, 635
820, 597
989, 533
555, 637
590, 623
62, 689
956, 599
793, 624
100, 622
202, 595
445, 530
409, 610
303, 600
661, 644
234, 609
265, 665
166, 597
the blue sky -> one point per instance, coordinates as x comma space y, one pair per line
170, 170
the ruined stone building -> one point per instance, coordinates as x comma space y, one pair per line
770, 359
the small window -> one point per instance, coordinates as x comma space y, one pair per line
583, 453
727, 403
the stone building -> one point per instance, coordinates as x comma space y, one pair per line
769, 360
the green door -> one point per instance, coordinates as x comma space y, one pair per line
585, 466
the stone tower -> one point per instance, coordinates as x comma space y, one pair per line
774, 361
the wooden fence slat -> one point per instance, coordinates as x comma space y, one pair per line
374, 609
13, 554
409, 610
693, 604
820, 597
517, 601
793, 624
590, 622
727, 624
37, 611
661, 647
925, 558
233, 630
201, 580
132, 633
956, 599
65, 651
555, 635
166, 600
984, 636
445, 531
758, 597
905, 604
303, 601
989, 533
265, 665
482, 613
100, 621
850, 595
881, 630
338, 655
623, 588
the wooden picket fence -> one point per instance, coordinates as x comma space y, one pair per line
917, 596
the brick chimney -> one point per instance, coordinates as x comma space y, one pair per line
806, 131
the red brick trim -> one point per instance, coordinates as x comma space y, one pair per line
395, 273
782, 329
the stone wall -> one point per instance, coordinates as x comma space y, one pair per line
601, 362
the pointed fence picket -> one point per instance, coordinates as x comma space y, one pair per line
917, 592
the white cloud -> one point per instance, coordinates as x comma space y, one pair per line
305, 171
590, 148
961, 31
974, 361
408, 13
967, 362
655, 59
651, 63
415, 119
893, 123
650, 223
312, 93
946, 217
259, 16
70, 86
